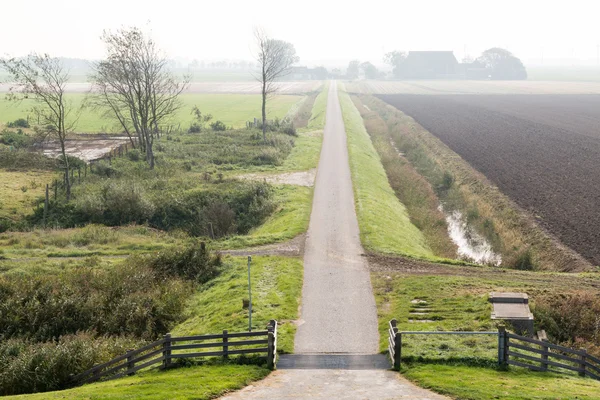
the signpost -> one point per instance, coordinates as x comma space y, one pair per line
249, 296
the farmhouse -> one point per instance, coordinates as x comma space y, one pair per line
431, 65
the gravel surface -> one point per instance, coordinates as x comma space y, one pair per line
541, 151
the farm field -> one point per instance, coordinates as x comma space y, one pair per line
472, 87
232, 109
541, 151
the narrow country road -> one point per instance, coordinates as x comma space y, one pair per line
337, 341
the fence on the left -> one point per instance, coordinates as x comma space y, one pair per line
170, 348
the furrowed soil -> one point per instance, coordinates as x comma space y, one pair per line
541, 151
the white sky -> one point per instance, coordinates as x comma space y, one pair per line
324, 32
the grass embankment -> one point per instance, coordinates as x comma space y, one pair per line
385, 226
217, 305
414, 191
183, 383
276, 291
512, 234
455, 299
232, 109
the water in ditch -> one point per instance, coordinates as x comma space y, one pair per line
471, 245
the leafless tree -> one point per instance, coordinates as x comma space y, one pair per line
43, 79
275, 57
135, 85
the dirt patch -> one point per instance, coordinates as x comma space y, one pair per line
522, 144
292, 248
88, 149
302, 178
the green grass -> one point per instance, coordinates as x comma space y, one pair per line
276, 291
19, 189
456, 299
319, 111
289, 220
384, 223
232, 109
476, 383
204, 382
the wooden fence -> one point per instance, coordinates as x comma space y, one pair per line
514, 350
539, 355
170, 348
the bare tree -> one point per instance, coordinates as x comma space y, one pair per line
135, 85
275, 57
43, 79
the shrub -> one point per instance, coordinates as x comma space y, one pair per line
130, 299
194, 263
218, 126
134, 155
524, 261
16, 139
195, 128
18, 123
27, 367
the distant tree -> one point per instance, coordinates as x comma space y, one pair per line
201, 120
353, 69
275, 58
135, 84
43, 79
396, 60
336, 72
502, 64
370, 70
321, 73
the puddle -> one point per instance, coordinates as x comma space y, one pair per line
471, 245
418, 301
420, 320
418, 313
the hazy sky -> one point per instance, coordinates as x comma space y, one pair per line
324, 32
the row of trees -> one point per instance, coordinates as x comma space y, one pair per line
133, 85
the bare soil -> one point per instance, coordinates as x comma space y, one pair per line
541, 151
88, 148
301, 178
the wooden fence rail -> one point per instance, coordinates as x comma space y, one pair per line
540, 355
168, 348
520, 351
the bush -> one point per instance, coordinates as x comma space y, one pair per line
134, 155
27, 367
570, 318
218, 126
195, 128
524, 261
18, 123
17, 139
130, 299
194, 263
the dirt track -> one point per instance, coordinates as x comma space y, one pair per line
542, 151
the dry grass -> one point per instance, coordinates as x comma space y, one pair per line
19, 189
414, 191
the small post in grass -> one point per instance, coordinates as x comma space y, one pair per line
130, 364
502, 347
167, 351
582, 362
249, 296
225, 346
46, 201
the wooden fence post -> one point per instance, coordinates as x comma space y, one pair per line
167, 351
502, 347
79, 175
55, 188
225, 346
130, 365
46, 201
397, 349
582, 357
544, 338
271, 347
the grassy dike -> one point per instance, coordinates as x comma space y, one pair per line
277, 286
385, 226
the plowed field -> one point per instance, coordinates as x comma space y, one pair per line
543, 151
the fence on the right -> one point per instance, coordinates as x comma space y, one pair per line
519, 351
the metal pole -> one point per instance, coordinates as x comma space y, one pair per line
249, 296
